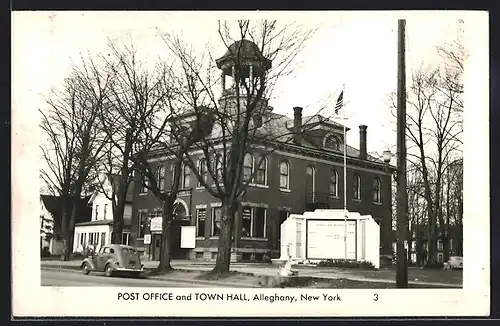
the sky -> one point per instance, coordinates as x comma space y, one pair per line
354, 51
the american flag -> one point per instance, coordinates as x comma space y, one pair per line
340, 102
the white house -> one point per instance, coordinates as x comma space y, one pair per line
47, 226
98, 231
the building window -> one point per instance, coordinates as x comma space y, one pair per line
311, 182
356, 191
125, 238
94, 238
186, 177
334, 183
248, 168
216, 220
440, 245
160, 177
332, 142
284, 175
103, 238
261, 176
144, 185
202, 166
83, 239
96, 212
105, 210
143, 223
201, 215
218, 165
253, 222
376, 190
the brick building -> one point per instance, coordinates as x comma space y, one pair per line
299, 175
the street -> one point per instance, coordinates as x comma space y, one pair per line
71, 278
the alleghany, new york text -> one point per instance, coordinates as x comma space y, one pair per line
197, 296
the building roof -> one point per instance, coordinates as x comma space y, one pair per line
127, 222
53, 205
279, 127
244, 49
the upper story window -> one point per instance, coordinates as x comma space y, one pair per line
186, 177
356, 187
96, 212
284, 175
218, 168
202, 170
261, 176
376, 190
144, 185
333, 142
334, 183
160, 177
248, 167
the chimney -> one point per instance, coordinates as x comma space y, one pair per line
362, 142
297, 125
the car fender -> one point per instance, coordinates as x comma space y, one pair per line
89, 262
112, 262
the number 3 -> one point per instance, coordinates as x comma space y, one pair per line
375, 297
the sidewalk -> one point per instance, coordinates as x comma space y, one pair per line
272, 270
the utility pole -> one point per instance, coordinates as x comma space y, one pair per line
402, 197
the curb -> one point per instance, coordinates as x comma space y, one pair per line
160, 278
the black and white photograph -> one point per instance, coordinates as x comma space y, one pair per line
248, 163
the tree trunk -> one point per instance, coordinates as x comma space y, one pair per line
166, 236
225, 239
66, 251
74, 210
119, 210
432, 244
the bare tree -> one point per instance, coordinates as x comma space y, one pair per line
241, 122
75, 143
136, 100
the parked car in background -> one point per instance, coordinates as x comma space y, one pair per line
454, 262
113, 259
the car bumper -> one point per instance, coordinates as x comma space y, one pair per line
123, 269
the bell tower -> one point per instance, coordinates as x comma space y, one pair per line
246, 68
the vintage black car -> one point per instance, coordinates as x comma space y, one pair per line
112, 259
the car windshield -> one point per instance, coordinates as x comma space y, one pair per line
128, 251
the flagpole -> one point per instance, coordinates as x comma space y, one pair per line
340, 105
345, 193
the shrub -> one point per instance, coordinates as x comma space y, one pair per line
45, 252
266, 259
346, 263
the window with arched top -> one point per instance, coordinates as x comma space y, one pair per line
160, 177
218, 168
248, 168
310, 181
203, 171
334, 183
333, 142
186, 177
261, 175
356, 187
284, 175
376, 190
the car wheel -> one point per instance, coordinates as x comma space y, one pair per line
86, 269
108, 270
